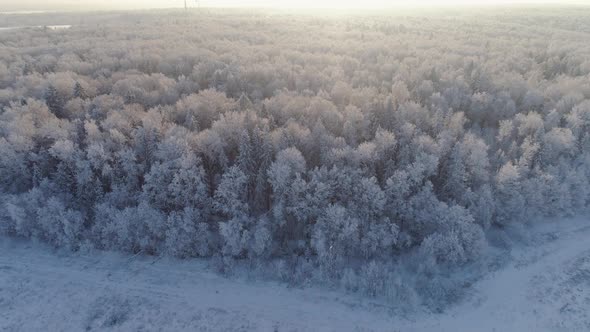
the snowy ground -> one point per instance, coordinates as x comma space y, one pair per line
545, 287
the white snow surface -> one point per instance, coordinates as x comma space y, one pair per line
544, 287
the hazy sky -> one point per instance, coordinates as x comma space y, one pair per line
11, 5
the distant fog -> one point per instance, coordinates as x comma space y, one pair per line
45, 5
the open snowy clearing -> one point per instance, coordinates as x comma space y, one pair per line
545, 287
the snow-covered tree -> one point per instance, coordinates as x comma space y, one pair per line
231, 194
188, 234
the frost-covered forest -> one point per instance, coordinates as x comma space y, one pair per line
322, 148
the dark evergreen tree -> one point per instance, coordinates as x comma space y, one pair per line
55, 102
79, 91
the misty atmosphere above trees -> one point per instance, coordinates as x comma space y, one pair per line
374, 153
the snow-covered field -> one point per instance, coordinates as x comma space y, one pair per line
544, 287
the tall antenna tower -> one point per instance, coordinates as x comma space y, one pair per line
185, 6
